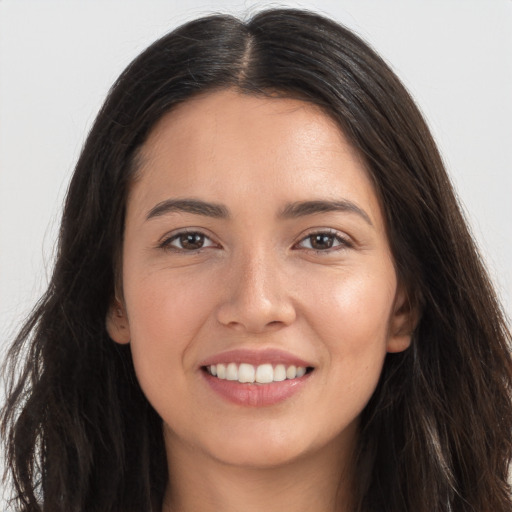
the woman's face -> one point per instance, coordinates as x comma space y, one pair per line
254, 243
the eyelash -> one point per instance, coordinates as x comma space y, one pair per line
334, 236
167, 243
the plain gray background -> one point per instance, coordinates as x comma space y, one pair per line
58, 59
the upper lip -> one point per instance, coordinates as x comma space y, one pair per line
256, 357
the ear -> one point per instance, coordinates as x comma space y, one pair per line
117, 323
402, 323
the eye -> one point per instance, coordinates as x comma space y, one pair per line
323, 241
187, 241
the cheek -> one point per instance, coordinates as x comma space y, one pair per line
166, 310
167, 301
349, 317
351, 305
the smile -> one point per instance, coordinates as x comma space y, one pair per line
256, 378
260, 374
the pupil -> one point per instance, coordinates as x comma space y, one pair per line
322, 241
192, 241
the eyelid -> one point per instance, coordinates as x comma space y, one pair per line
165, 241
345, 241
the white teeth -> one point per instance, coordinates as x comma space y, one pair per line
232, 371
301, 371
221, 371
246, 373
279, 373
262, 374
291, 372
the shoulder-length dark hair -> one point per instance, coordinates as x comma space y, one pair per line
436, 435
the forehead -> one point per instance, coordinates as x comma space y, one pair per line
209, 120
225, 143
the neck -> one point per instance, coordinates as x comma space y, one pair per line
319, 481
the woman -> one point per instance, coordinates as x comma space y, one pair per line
265, 295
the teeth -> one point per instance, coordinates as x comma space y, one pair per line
221, 371
279, 373
291, 372
232, 371
262, 374
301, 371
246, 373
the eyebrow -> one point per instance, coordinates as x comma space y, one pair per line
193, 206
290, 211
303, 208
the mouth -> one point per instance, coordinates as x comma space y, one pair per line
256, 378
246, 373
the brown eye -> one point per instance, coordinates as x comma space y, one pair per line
323, 242
189, 241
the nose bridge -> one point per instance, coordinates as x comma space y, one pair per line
257, 297
258, 270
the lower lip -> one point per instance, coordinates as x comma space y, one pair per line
255, 395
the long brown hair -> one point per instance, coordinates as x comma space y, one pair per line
436, 435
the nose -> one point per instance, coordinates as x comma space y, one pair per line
257, 297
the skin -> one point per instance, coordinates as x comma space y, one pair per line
257, 283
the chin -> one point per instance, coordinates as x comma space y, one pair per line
258, 456
264, 448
